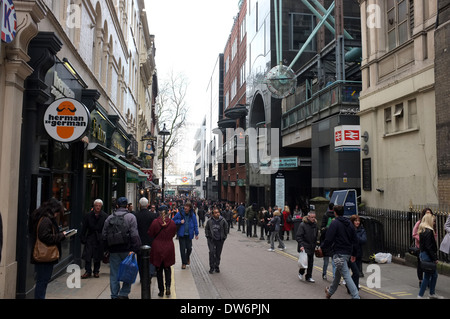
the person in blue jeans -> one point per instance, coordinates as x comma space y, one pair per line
44, 225
428, 252
186, 220
119, 251
341, 238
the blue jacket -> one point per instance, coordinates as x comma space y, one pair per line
193, 225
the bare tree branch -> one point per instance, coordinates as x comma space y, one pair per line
172, 109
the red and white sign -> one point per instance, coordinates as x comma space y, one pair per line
347, 138
351, 135
149, 173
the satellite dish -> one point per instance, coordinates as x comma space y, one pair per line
281, 81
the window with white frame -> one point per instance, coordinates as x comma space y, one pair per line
401, 117
243, 76
233, 89
234, 49
243, 29
398, 22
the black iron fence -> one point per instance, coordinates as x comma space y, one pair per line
394, 228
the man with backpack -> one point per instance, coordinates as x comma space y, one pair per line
121, 237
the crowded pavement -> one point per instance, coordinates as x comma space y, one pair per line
250, 271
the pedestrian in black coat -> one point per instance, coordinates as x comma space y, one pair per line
43, 225
91, 237
144, 219
307, 239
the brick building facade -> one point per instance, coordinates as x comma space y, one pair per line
442, 62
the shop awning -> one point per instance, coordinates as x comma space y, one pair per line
133, 174
236, 112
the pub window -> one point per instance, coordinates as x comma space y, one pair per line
398, 22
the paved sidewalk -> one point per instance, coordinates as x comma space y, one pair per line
183, 285
398, 281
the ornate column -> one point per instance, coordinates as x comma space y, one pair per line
14, 70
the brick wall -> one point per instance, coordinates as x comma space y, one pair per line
442, 67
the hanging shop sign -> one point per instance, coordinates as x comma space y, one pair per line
66, 120
8, 21
149, 173
347, 138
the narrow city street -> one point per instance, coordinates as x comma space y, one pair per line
296, 106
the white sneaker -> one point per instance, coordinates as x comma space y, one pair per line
300, 276
436, 296
282, 248
310, 280
270, 249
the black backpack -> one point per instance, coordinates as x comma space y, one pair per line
117, 230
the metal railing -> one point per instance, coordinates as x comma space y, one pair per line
344, 94
398, 225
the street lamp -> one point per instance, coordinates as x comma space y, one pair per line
164, 132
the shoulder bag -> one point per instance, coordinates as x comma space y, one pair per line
43, 253
428, 267
413, 249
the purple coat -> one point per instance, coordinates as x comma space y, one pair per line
163, 249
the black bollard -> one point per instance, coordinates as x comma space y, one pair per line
145, 280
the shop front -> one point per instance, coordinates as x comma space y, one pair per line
51, 152
109, 174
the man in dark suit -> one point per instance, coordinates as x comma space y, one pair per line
144, 219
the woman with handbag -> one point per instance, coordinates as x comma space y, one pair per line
428, 256
415, 235
47, 243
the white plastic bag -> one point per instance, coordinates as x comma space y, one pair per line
303, 260
383, 258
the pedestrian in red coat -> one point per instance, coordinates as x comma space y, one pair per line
287, 222
162, 254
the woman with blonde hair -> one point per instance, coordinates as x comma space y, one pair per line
275, 234
428, 253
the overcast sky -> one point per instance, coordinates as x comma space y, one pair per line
189, 36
